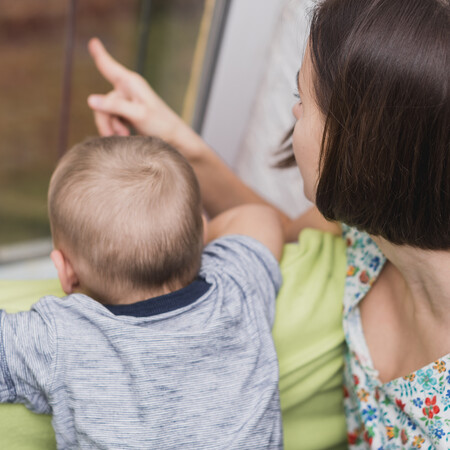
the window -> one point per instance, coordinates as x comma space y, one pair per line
159, 36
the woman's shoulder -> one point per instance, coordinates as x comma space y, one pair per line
364, 263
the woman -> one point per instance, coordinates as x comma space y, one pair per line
371, 141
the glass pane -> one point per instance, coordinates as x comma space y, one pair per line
174, 28
32, 46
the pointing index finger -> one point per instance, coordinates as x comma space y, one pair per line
106, 64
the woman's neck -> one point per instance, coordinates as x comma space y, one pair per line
406, 315
425, 275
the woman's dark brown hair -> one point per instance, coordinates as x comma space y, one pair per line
382, 82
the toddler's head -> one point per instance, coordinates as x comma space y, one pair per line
125, 213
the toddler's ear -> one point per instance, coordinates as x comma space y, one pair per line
205, 229
66, 274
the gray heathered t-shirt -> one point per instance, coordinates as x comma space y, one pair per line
203, 376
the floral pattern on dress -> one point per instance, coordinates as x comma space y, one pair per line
410, 412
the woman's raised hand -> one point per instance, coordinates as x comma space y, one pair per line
132, 102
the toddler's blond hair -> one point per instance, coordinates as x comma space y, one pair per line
127, 210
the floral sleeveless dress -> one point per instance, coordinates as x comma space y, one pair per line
407, 413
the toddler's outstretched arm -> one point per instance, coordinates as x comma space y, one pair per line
257, 221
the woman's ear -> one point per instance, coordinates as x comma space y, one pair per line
66, 273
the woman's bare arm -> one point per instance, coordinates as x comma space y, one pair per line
133, 102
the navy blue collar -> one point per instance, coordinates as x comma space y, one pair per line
163, 303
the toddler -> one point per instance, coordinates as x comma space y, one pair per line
161, 342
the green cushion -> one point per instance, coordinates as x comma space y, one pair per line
308, 337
